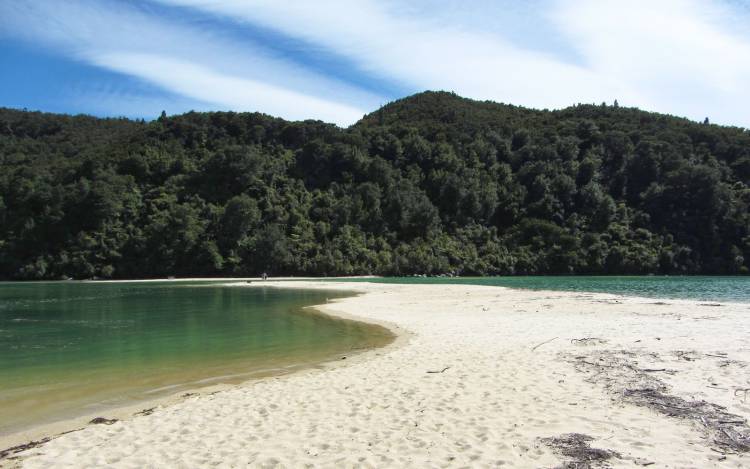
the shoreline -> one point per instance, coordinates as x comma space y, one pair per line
50, 430
493, 338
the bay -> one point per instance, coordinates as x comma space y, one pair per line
71, 348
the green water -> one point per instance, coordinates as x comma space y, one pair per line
705, 288
69, 349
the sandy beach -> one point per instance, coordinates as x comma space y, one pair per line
478, 377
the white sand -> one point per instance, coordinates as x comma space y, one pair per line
496, 398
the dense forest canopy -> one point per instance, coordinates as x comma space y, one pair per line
433, 183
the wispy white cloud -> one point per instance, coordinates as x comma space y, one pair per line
424, 49
210, 86
680, 56
198, 63
686, 57
112, 98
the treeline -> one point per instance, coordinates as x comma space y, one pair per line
433, 183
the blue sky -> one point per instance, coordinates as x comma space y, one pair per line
336, 60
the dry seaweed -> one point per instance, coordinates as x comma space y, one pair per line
577, 453
102, 421
588, 341
638, 386
148, 411
7, 453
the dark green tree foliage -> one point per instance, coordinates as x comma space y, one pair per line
429, 184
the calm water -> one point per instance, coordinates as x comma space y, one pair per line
714, 288
70, 349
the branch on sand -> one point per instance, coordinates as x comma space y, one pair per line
545, 342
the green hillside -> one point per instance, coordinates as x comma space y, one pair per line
432, 183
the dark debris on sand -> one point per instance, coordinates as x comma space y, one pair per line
148, 411
9, 452
103, 421
577, 453
619, 374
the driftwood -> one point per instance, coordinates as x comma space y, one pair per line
438, 371
744, 392
545, 342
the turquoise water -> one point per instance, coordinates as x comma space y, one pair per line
69, 348
704, 288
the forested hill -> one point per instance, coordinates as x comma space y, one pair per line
433, 183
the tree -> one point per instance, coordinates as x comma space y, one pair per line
433, 183
241, 215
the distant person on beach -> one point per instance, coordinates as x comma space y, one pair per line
264, 276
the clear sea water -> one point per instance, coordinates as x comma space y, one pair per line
702, 288
69, 348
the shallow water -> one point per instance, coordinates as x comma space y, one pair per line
706, 288
69, 349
